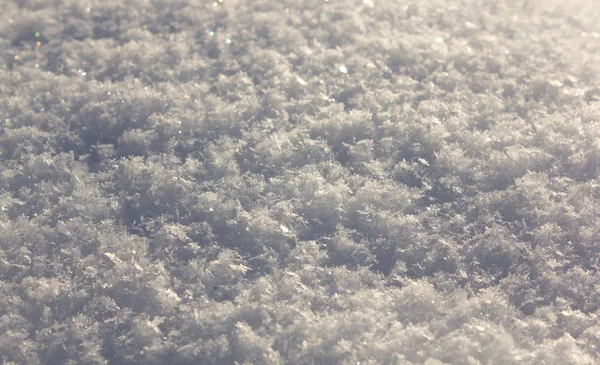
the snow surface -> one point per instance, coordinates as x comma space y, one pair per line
299, 182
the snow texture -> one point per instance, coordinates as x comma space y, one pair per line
299, 182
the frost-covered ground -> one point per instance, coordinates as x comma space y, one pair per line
299, 182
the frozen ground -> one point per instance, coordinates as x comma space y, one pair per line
299, 182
